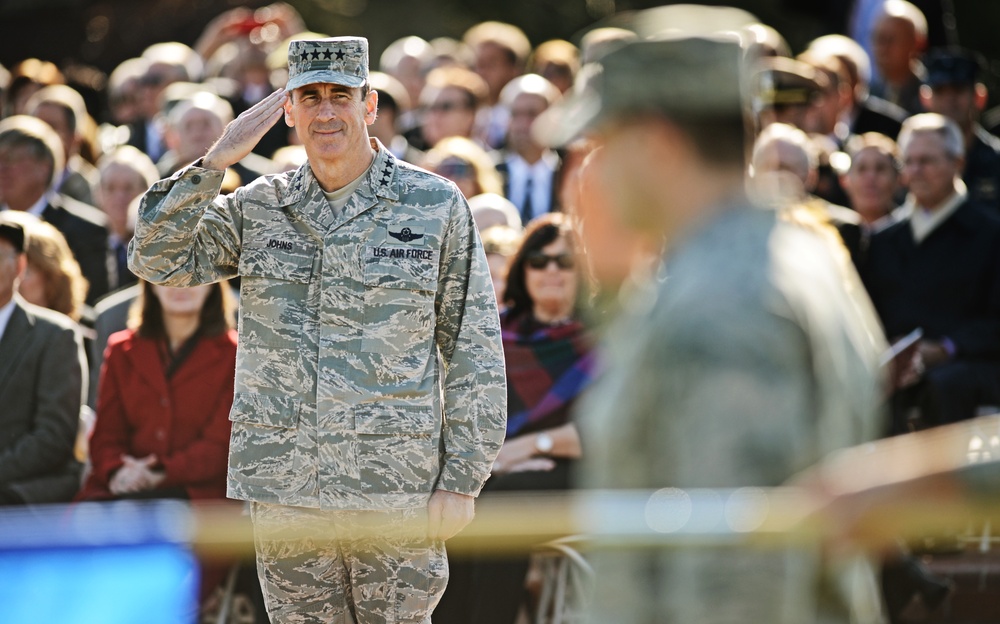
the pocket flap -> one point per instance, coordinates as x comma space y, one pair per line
394, 420
265, 409
292, 262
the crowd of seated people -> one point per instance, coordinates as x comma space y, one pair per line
887, 152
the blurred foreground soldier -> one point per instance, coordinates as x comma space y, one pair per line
746, 363
42, 379
369, 384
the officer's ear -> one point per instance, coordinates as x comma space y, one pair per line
288, 110
371, 107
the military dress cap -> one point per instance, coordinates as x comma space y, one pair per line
781, 81
336, 60
13, 233
954, 66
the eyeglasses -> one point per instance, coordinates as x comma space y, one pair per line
540, 261
455, 169
446, 107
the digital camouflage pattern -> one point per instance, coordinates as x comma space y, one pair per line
754, 356
370, 368
392, 579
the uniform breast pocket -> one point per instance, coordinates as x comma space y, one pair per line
275, 292
400, 285
397, 448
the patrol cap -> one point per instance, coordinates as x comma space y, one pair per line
781, 81
954, 66
690, 76
13, 233
335, 60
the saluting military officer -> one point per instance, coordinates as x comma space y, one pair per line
370, 378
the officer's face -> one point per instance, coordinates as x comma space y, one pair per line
929, 171
331, 120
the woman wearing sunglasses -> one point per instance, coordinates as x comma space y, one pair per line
547, 352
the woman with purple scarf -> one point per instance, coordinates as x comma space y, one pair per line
549, 360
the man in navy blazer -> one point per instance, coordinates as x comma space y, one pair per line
42, 377
938, 269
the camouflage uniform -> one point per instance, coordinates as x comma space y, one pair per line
370, 369
744, 366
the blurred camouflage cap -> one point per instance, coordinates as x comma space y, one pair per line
688, 61
336, 60
687, 76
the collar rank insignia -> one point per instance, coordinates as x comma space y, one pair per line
406, 233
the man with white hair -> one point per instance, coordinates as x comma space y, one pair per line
530, 171
785, 164
937, 270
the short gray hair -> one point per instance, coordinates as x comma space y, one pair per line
933, 123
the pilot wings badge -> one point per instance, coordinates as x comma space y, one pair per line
406, 233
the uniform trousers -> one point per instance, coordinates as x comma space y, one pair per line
324, 566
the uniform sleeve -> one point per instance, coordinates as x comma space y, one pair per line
186, 233
468, 336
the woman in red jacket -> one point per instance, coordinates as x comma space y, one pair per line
163, 402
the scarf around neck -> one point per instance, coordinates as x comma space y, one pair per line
548, 366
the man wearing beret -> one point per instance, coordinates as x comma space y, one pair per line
744, 363
954, 88
370, 380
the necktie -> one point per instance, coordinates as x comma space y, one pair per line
526, 212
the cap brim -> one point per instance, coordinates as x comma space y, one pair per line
568, 119
330, 77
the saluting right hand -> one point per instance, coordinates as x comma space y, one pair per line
243, 133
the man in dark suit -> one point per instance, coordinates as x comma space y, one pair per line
31, 159
938, 269
530, 171
42, 378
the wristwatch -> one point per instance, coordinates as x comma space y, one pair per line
544, 443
